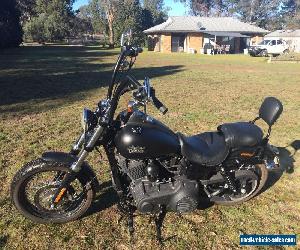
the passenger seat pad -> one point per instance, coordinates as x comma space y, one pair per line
241, 134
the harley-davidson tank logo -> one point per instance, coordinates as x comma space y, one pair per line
136, 150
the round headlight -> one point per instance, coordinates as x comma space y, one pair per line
88, 119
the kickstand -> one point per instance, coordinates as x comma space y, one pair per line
159, 219
127, 213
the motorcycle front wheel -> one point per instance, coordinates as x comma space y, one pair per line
34, 186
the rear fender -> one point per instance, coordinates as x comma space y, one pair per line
68, 159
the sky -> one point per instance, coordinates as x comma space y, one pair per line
176, 8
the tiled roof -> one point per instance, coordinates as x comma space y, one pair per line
284, 33
200, 24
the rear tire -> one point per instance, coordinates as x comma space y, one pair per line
263, 176
38, 213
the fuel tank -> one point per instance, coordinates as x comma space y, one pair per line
145, 137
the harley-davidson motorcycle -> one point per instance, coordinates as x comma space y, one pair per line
154, 170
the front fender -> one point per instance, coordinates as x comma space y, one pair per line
68, 159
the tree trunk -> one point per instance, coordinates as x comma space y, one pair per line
110, 19
111, 36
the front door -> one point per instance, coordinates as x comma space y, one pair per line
177, 43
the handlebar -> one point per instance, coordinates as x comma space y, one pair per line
127, 83
157, 103
132, 51
146, 94
125, 51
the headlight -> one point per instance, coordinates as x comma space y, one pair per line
88, 119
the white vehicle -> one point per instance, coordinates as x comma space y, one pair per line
269, 47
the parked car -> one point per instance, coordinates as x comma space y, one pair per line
269, 47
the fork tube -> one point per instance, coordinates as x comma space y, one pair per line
76, 166
77, 146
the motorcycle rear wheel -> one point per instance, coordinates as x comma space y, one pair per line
262, 172
33, 198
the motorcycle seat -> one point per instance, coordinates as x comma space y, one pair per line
208, 148
241, 134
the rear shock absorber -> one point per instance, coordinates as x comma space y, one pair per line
228, 180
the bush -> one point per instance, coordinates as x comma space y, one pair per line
47, 28
35, 30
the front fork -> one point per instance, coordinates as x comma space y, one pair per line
76, 165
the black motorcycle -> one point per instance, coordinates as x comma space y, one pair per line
153, 169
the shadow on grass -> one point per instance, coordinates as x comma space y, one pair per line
3, 241
59, 72
287, 160
107, 198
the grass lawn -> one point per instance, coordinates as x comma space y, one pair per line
42, 93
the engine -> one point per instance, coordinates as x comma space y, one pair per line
154, 185
180, 195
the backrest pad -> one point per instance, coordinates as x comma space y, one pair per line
270, 110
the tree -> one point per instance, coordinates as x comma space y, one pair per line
111, 8
258, 12
201, 7
27, 9
53, 21
35, 29
130, 16
289, 7
10, 27
154, 9
81, 24
264, 13
290, 14
95, 14
211, 7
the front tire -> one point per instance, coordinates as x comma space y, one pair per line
264, 53
35, 201
262, 173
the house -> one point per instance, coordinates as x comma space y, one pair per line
192, 33
292, 37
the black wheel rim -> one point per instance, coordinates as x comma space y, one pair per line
38, 189
246, 186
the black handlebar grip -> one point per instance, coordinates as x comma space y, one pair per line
134, 51
162, 108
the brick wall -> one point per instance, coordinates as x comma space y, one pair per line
195, 41
166, 43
